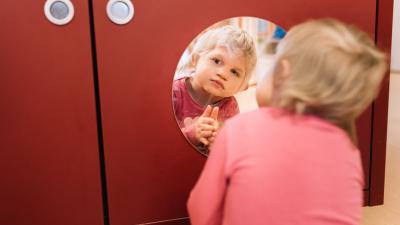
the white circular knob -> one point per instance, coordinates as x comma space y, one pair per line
120, 11
59, 12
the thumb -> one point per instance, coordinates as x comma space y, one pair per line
214, 113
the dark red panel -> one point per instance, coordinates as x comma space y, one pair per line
48, 137
365, 197
149, 164
364, 142
384, 41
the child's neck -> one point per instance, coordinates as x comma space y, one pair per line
200, 96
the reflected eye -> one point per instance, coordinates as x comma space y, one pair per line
236, 73
216, 61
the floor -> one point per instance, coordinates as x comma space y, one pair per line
389, 213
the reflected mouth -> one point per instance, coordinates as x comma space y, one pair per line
218, 84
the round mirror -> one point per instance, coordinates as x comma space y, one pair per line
217, 74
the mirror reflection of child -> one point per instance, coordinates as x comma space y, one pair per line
222, 60
295, 159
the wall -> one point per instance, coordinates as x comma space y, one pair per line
395, 66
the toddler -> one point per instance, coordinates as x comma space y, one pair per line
222, 60
295, 160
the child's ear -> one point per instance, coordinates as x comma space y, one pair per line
285, 68
194, 59
245, 86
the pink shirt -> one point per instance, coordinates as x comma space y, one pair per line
187, 110
270, 167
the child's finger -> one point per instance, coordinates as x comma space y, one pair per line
204, 141
207, 120
214, 113
207, 127
207, 111
216, 124
206, 133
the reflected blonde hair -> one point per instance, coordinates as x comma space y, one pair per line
334, 72
236, 40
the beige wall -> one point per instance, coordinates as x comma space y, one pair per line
396, 37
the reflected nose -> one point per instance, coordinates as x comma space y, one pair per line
222, 73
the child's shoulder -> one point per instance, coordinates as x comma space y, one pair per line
179, 81
179, 85
228, 107
260, 112
253, 117
227, 102
277, 117
285, 123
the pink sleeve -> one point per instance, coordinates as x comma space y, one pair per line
206, 201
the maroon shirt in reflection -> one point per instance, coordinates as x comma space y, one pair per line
187, 110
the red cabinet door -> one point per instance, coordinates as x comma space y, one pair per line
149, 165
48, 136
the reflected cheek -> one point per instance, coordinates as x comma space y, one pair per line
232, 88
202, 78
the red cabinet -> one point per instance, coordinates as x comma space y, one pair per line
49, 157
50, 127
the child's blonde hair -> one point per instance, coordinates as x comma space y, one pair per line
334, 72
231, 37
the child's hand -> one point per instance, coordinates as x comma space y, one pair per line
206, 126
214, 115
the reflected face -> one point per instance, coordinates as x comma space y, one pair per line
219, 72
224, 77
